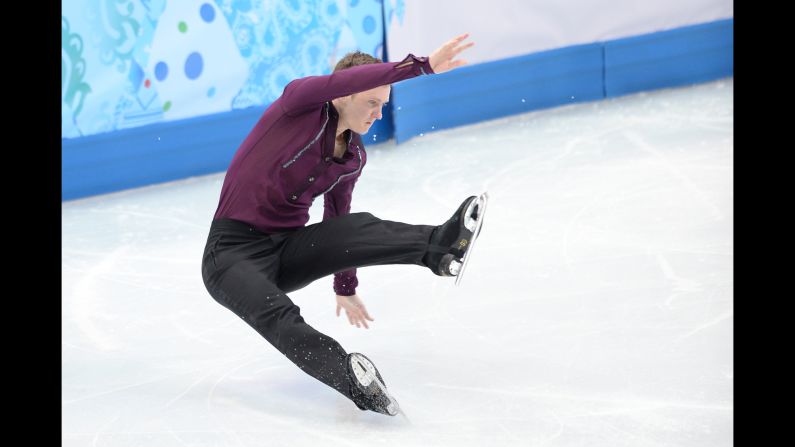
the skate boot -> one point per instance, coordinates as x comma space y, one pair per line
450, 242
367, 387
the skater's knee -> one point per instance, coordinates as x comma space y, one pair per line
363, 215
276, 313
359, 218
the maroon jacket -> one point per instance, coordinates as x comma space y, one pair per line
287, 160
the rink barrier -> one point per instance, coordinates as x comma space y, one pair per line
677, 57
495, 89
672, 58
156, 153
174, 150
163, 152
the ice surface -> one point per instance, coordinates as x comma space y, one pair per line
598, 309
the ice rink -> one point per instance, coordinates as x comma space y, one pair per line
597, 309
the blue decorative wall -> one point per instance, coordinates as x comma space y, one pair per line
133, 63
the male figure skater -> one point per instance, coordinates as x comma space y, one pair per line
307, 144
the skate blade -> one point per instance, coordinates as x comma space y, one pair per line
481, 201
393, 408
405, 417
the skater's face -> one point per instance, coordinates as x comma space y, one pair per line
359, 111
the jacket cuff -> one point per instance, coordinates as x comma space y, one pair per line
420, 65
345, 283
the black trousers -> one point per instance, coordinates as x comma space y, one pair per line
250, 273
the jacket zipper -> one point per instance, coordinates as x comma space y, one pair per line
301, 152
359, 153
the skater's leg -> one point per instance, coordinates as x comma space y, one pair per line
274, 316
241, 277
346, 242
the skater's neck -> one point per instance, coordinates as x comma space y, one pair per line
341, 144
341, 134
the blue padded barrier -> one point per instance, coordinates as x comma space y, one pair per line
499, 88
681, 56
130, 158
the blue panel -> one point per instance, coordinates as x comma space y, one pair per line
681, 56
129, 158
495, 89
162, 152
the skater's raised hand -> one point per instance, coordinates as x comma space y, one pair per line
354, 309
441, 60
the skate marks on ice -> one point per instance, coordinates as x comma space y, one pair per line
621, 196
545, 415
597, 310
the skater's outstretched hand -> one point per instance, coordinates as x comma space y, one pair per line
354, 308
442, 59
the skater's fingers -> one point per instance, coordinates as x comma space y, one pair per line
363, 311
364, 320
460, 49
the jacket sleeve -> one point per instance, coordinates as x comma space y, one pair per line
337, 202
311, 91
